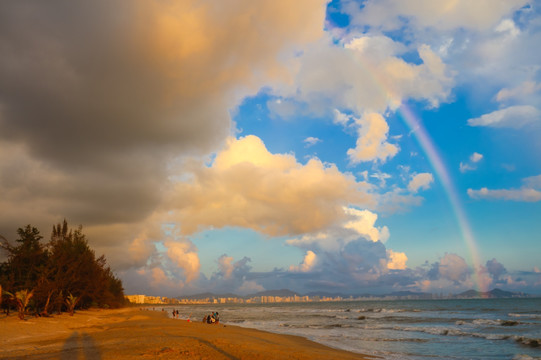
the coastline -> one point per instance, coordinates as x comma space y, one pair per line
130, 332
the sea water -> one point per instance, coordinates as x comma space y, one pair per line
399, 329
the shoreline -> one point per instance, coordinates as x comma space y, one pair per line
131, 332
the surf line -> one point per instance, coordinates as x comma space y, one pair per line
436, 162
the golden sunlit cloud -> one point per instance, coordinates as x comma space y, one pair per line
396, 260
371, 143
250, 187
184, 255
307, 264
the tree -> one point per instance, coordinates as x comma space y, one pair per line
66, 265
21, 298
71, 301
77, 271
26, 260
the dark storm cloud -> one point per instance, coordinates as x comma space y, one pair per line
95, 113
78, 86
98, 99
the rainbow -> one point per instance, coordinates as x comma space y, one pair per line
427, 145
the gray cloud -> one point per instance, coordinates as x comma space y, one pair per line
96, 114
97, 99
495, 269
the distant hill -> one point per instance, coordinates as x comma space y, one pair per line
418, 295
326, 294
470, 294
492, 294
207, 295
281, 292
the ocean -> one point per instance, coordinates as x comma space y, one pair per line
398, 329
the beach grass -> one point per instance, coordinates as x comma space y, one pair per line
130, 333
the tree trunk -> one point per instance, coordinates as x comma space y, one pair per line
45, 311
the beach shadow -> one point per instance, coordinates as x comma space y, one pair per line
80, 347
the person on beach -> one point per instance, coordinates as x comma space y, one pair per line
213, 318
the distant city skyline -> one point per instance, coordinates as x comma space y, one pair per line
280, 296
345, 146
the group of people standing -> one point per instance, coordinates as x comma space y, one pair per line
213, 318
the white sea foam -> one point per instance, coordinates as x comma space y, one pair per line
486, 322
398, 330
525, 357
531, 316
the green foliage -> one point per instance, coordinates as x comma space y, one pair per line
26, 260
71, 301
23, 297
65, 265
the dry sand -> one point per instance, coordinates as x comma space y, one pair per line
131, 333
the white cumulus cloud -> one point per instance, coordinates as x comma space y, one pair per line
516, 116
371, 142
523, 194
363, 222
529, 192
476, 157
439, 15
519, 92
471, 164
248, 186
453, 267
311, 141
420, 181
307, 264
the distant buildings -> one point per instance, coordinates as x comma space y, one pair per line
145, 299
270, 299
135, 299
155, 300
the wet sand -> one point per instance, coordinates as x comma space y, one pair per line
131, 333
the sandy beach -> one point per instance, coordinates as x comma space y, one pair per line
133, 333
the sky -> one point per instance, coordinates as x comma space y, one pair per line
238, 146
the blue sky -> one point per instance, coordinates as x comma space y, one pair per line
351, 146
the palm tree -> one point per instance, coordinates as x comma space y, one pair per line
71, 301
21, 298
